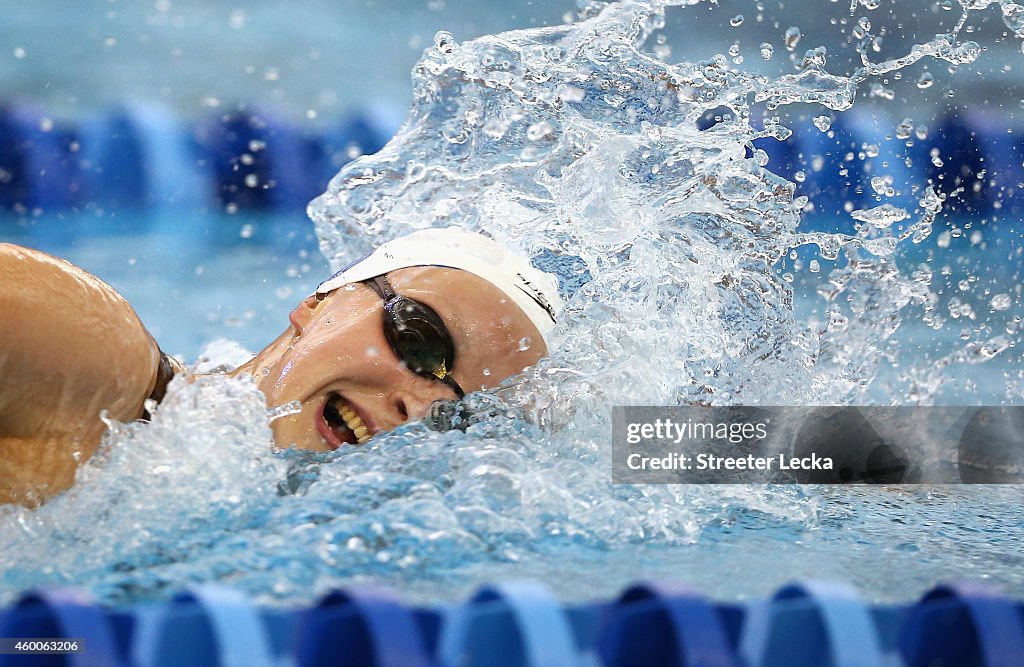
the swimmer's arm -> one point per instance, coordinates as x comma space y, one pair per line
70, 347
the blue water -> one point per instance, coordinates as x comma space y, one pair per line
564, 143
434, 516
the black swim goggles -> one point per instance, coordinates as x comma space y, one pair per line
417, 335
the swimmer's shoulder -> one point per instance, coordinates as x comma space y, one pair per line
71, 347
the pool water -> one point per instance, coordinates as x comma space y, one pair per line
200, 497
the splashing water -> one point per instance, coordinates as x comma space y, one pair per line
582, 149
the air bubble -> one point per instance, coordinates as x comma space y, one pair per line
736, 21
823, 123
925, 80
767, 50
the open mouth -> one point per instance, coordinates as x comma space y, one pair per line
340, 423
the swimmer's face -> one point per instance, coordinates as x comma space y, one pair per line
336, 362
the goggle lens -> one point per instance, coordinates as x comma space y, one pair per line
417, 335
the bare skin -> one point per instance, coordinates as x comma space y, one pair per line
336, 350
71, 347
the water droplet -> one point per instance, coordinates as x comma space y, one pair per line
814, 266
791, 38
525, 343
734, 50
823, 123
19, 53
925, 80
904, 129
444, 41
109, 41
814, 58
252, 180
1001, 302
880, 216
736, 21
862, 28
1013, 17
571, 94
967, 52
539, 130
487, 371
246, 231
237, 18
414, 171
290, 408
767, 50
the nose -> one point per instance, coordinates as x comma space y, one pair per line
412, 401
302, 314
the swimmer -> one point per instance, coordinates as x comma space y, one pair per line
426, 317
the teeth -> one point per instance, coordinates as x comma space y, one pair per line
355, 423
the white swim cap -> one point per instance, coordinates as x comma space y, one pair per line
533, 290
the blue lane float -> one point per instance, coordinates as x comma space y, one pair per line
521, 624
39, 167
142, 156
